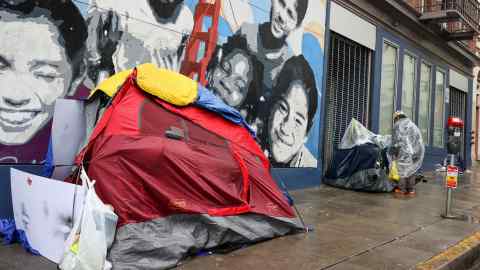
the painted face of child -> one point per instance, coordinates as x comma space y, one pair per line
231, 79
287, 124
283, 18
34, 72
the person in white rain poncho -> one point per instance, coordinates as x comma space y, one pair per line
407, 150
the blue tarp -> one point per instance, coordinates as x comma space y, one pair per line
346, 162
12, 235
207, 100
48, 166
362, 168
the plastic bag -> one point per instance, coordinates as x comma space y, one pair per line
92, 235
382, 141
356, 134
393, 175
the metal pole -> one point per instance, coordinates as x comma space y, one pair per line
448, 202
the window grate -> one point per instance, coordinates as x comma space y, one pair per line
348, 90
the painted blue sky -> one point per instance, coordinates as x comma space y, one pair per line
83, 6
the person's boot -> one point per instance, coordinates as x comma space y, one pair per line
411, 193
398, 193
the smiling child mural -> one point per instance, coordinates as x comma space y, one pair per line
41, 59
268, 64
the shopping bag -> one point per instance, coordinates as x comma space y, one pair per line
92, 235
393, 175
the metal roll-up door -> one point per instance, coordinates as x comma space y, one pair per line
348, 90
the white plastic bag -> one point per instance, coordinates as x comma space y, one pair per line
92, 234
356, 134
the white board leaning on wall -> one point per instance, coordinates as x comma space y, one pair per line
44, 209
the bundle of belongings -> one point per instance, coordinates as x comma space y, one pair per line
363, 160
180, 169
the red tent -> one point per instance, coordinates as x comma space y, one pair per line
181, 179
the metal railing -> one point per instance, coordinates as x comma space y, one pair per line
468, 12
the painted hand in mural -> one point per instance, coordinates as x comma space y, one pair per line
103, 36
125, 34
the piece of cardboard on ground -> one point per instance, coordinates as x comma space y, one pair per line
46, 210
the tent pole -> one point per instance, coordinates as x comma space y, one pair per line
305, 228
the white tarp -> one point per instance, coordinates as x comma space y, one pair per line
356, 134
43, 208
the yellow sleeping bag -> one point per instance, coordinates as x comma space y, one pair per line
167, 85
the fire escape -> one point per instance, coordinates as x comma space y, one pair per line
455, 20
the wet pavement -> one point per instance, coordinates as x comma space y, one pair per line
351, 231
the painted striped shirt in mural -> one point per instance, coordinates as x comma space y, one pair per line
272, 59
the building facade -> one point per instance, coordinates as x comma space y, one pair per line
414, 56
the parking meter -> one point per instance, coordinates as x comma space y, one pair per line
454, 141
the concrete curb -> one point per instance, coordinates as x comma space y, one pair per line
462, 256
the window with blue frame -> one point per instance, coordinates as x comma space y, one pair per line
439, 113
409, 84
388, 86
415, 82
424, 102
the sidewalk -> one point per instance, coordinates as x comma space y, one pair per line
352, 231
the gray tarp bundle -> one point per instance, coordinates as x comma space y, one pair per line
369, 180
162, 243
407, 140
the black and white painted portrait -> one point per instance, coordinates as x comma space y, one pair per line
268, 41
290, 116
124, 34
280, 99
234, 75
41, 59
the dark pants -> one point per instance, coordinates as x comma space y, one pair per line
407, 184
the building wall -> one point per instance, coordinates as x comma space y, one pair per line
397, 26
267, 60
434, 155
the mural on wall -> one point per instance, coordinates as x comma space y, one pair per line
268, 63
41, 59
